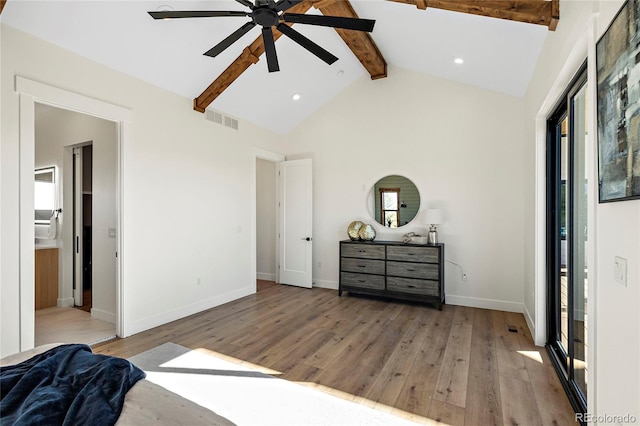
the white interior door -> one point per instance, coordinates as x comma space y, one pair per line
296, 221
77, 227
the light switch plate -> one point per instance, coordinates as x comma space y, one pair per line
112, 232
620, 270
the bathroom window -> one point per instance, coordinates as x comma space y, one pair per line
44, 194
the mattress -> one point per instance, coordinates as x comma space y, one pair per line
146, 403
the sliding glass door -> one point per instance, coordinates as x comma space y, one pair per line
567, 271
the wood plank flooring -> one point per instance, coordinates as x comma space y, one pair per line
70, 325
458, 366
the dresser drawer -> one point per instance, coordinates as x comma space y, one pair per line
413, 286
366, 266
427, 271
363, 251
362, 280
392, 269
413, 254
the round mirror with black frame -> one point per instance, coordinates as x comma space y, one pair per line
394, 201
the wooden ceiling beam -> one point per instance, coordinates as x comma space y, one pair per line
540, 12
555, 15
360, 42
249, 56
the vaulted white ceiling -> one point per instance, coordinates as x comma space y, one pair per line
498, 55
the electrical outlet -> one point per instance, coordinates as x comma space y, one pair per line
319, 265
198, 281
620, 270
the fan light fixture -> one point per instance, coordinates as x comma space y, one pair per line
270, 14
296, 96
458, 61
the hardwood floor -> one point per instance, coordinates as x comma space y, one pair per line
459, 366
70, 325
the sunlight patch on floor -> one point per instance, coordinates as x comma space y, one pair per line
372, 404
534, 355
248, 364
241, 392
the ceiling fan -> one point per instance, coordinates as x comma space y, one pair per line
268, 14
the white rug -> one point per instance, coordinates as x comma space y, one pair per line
249, 397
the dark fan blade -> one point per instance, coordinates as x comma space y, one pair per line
218, 48
270, 49
286, 4
307, 44
246, 3
331, 21
196, 14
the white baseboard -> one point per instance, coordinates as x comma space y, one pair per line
498, 305
332, 285
144, 324
65, 303
266, 276
103, 315
530, 322
473, 302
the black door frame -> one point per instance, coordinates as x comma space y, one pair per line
564, 369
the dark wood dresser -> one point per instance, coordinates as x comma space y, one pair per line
393, 269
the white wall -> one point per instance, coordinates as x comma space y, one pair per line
56, 130
614, 369
559, 49
266, 219
462, 147
178, 168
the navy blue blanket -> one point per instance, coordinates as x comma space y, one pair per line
67, 385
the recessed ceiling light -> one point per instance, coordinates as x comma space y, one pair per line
458, 61
296, 96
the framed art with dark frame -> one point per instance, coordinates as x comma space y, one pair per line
618, 106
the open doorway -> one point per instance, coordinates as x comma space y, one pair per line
283, 219
31, 93
82, 219
266, 224
83, 150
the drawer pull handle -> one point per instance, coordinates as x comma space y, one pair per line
361, 281
411, 270
362, 266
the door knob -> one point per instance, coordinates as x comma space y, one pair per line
306, 239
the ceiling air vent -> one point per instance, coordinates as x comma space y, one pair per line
214, 116
231, 122
219, 118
